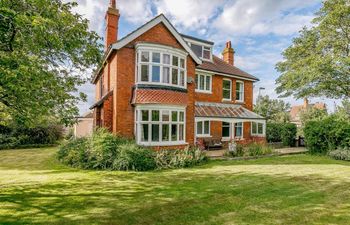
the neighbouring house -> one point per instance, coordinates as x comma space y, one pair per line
296, 110
168, 89
84, 125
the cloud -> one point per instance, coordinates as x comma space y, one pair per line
137, 12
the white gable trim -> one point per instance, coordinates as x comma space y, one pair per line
148, 26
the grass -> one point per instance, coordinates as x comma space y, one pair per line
298, 189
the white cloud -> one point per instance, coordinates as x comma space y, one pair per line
137, 12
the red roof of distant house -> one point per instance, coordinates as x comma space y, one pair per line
159, 97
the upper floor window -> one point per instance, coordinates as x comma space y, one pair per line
239, 91
203, 83
161, 66
203, 52
226, 89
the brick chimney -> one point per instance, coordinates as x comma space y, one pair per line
112, 19
229, 54
306, 103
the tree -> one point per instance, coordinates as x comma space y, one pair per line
312, 113
272, 109
318, 62
45, 53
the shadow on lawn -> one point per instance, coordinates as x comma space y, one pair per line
178, 197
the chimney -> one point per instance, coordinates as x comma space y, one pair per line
306, 103
112, 19
228, 54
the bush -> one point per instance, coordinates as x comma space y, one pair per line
281, 132
329, 133
74, 153
252, 149
340, 154
273, 132
166, 159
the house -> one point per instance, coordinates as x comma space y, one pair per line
168, 89
84, 125
296, 110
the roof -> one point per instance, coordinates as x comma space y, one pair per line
221, 110
197, 39
220, 66
100, 102
295, 110
159, 96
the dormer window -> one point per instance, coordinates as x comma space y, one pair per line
203, 52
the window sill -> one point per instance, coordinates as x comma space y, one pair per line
239, 102
204, 92
172, 143
203, 136
226, 100
258, 135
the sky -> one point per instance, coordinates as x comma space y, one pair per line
259, 30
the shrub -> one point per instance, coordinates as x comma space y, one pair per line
329, 133
273, 132
288, 134
340, 154
74, 153
179, 158
252, 149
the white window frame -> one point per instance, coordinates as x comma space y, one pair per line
155, 48
223, 98
234, 128
256, 133
203, 134
205, 83
139, 122
203, 45
241, 91
230, 131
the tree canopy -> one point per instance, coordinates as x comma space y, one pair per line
272, 109
318, 62
46, 51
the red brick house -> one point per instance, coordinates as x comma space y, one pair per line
164, 88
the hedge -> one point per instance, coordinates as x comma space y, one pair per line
281, 132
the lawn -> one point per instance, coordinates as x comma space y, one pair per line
300, 189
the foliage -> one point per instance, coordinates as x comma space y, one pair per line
166, 159
340, 154
274, 131
45, 51
288, 134
344, 109
312, 113
251, 149
272, 109
329, 133
317, 63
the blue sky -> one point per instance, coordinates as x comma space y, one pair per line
259, 30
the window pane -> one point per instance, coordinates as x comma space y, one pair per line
144, 115
175, 61
197, 49
207, 83
182, 63
238, 129
144, 132
238, 96
173, 132
155, 115
206, 54
260, 128
206, 127
253, 127
174, 76
166, 59
226, 94
155, 132
239, 91
156, 57
199, 128
165, 115
174, 116
144, 72
166, 75
144, 56
182, 116
225, 129
226, 84
201, 82
182, 78
197, 78
155, 73
165, 132
181, 132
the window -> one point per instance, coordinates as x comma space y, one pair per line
203, 52
161, 66
156, 126
203, 128
257, 128
226, 130
197, 49
239, 130
203, 83
226, 89
206, 53
239, 91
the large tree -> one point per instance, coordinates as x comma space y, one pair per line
318, 62
273, 110
46, 51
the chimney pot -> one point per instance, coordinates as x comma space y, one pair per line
112, 4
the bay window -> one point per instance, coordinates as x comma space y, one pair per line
160, 125
239, 91
203, 83
257, 128
161, 65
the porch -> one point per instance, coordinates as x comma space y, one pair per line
219, 123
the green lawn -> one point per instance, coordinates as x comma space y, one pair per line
300, 189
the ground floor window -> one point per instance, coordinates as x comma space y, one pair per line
226, 130
203, 128
239, 130
257, 128
160, 125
